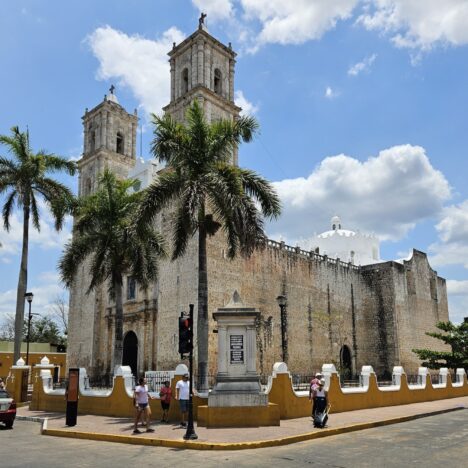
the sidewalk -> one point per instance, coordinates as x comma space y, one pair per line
290, 431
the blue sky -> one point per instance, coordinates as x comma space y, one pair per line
362, 106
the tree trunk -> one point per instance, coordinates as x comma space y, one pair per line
118, 333
202, 318
22, 285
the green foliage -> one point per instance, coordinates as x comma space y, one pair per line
44, 330
103, 235
202, 177
456, 336
24, 178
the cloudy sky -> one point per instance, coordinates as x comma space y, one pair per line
362, 106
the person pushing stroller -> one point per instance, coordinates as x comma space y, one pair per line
320, 411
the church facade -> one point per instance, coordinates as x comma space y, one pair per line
332, 310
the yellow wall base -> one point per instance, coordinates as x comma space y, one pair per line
239, 416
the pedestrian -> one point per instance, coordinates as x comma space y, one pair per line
2, 385
314, 383
165, 394
183, 395
141, 399
320, 396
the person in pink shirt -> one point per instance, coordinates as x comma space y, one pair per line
314, 384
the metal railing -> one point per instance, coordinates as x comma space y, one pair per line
155, 379
100, 382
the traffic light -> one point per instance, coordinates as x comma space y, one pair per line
185, 335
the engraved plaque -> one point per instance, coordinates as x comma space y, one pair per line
236, 343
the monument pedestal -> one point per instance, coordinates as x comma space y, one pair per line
238, 416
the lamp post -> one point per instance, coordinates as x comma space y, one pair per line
283, 302
29, 297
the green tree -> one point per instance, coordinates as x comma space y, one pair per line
456, 336
23, 179
44, 330
208, 192
102, 236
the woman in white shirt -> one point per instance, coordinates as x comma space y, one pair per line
140, 399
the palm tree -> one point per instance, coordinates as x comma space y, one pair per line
23, 179
103, 238
209, 193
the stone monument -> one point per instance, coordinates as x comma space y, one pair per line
237, 399
237, 381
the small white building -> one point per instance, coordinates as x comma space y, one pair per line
348, 246
144, 172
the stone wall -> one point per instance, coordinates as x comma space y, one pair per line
380, 312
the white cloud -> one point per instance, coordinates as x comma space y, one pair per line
47, 238
286, 22
248, 108
45, 288
140, 64
452, 246
362, 66
387, 195
419, 24
215, 9
331, 93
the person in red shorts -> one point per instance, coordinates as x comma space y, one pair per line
165, 394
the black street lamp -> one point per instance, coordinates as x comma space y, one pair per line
283, 302
29, 297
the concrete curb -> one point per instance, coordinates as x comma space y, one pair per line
30, 418
195, 445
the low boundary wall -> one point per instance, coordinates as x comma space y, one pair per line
118, 401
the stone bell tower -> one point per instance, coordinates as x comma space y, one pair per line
203, 68
109, 142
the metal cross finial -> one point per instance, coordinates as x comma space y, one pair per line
111, 89
201, 20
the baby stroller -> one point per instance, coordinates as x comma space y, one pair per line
321, 417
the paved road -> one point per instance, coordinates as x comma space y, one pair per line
437, 441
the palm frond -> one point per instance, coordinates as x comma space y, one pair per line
35, 213
75, 252
260, 189
158, 195
184, 228
8, 208
169, 138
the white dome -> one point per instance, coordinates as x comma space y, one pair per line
347, 245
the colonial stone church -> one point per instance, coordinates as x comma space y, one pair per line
349, 312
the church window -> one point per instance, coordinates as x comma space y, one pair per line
217, 81
87, 186
184, 85
120, 143
92, 140
131, 288
334, 227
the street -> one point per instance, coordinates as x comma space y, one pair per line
433, 441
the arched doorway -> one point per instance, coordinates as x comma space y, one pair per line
345, 362
130, 352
